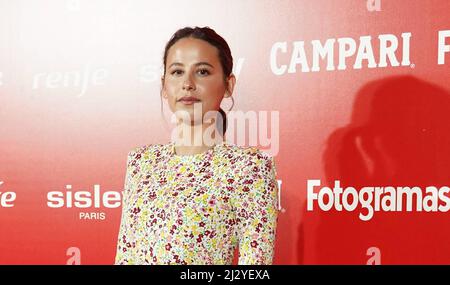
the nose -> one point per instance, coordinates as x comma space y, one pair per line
188, 84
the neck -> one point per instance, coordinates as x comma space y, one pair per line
195, 139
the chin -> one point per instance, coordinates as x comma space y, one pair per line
185, 114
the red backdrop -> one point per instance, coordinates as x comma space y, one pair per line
79, 88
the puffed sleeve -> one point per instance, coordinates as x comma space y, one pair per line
257, 210
126, 253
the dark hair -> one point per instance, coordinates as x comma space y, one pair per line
226, 60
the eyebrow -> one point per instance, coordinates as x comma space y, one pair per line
197, 64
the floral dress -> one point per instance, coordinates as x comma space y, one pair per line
197, 209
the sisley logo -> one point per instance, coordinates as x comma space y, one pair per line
360, 52
7, 198
83, 199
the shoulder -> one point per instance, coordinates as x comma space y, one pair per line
147, 152
250, 157
247, 152
135, 151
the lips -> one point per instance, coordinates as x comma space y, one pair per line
188, 100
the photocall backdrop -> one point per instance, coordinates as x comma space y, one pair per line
356, 92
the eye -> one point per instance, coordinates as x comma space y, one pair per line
203, 71
177, 72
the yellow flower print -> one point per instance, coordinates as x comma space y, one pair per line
201, 219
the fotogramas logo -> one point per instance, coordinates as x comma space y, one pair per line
371, 199
443, 48
91, 203
7, 198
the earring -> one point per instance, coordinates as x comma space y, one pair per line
232, 99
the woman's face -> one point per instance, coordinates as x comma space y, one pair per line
193, 69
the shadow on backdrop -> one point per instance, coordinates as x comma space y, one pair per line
398, 136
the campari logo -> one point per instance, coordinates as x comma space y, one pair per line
384, 50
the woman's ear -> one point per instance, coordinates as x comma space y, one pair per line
231, 82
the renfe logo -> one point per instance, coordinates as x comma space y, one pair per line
83, 199
80, 78
7, 199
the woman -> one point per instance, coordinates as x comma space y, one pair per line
190, 203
